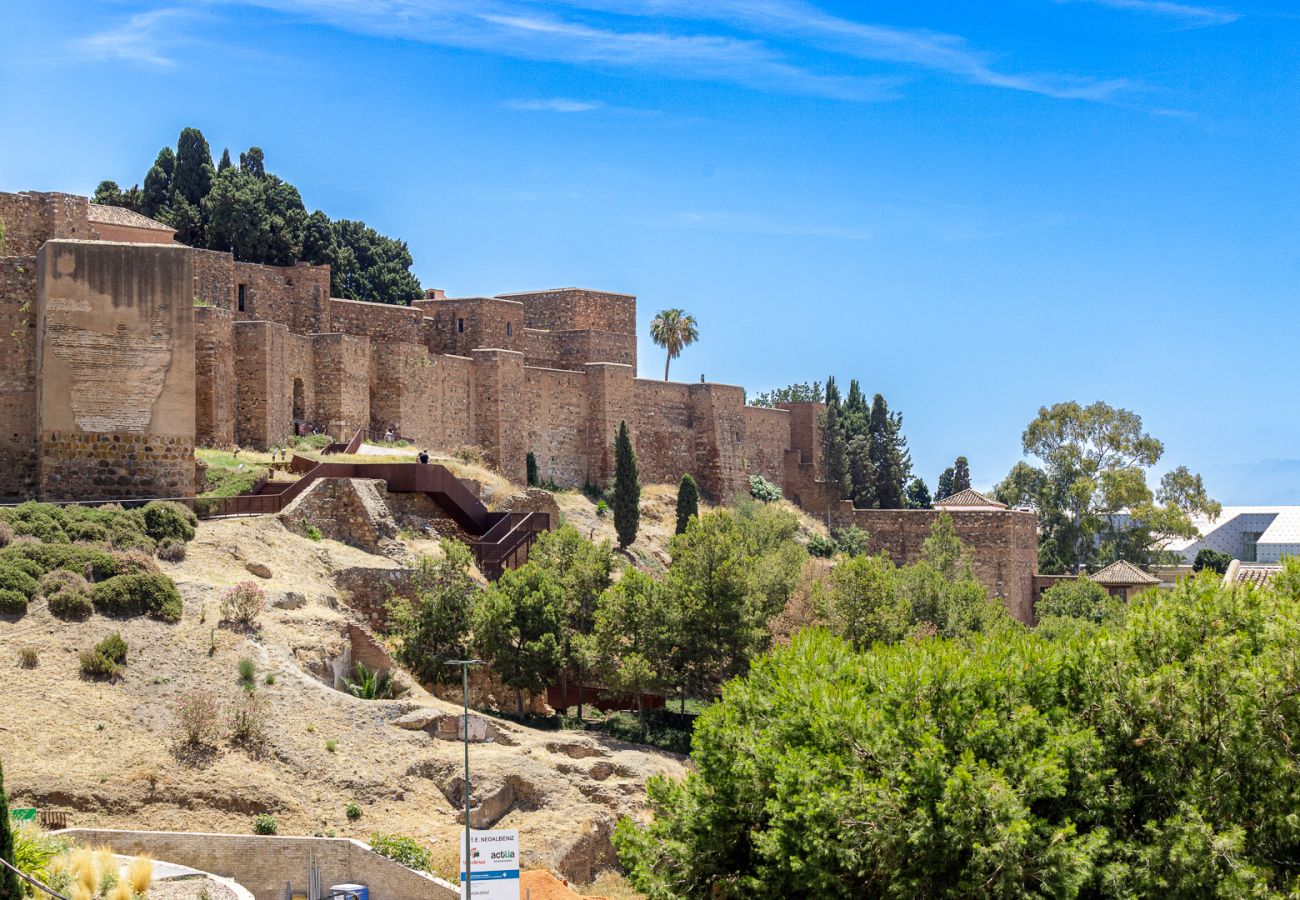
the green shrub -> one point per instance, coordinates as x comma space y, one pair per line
134, 595
113, 647
402, 849
96, 665
247, 671
353, 812
762, 489
821, 546
92, 562
12, 603
38, 520
248, 718
602, 508
6, 533
68, 594
1212, 560
171, 550
134, 562
126, 531
851, 541
165, 519
14, 578
312, 531
264, 823
87, 530
1078, 598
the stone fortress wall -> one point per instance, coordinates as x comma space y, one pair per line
122, 357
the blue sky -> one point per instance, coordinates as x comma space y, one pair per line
976, 209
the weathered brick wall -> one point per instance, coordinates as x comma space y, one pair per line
215, 281
557, 408
403, 386
663, 431
767, 437
342, 376
214, 377
263, 864
1004, 544
18, 470
574, 349
569, 309
296, 297
32, 218
459, 325
116, 369
499, 410
381, 322
610, 391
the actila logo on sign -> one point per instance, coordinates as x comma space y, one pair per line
494, 860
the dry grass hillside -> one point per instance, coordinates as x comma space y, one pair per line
109, 753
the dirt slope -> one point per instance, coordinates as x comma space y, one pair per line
107, 752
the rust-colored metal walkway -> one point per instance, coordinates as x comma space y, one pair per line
500, 540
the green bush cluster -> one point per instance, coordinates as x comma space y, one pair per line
264, 823
762, 489
110, 524
67, 593
18, 585
401, 848
134, 595
105, 659
1148, 755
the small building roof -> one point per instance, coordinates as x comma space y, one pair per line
1122, 572
967, 499
126, 218
1256, 574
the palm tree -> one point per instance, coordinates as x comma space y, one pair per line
673, 330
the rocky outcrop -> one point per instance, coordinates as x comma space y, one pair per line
351, 510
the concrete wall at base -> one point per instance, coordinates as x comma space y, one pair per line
263, 864
1004, 541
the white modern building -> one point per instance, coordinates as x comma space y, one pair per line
1252, 534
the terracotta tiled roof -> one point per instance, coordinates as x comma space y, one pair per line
119, 215
968, 498
1251, 573
1123, 572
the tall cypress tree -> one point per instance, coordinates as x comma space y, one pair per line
157, 194
225, 160
862, 474
834, 455
9, 884
193, 177
889, 455
627, 489
944, 489
688, 502
960, 475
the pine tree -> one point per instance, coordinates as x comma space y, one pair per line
688, 502
856, 414
627, 489
225, 160
834, 454
9, 885
960, 475
944, 489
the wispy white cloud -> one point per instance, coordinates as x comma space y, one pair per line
143, 38
556, 105
1183, 12
786, 46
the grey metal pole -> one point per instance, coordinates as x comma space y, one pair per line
465, 664
469, 863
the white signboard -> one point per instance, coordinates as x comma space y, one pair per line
494, 861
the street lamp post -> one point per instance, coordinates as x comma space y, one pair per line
464, 668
